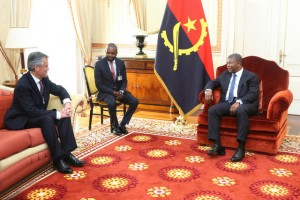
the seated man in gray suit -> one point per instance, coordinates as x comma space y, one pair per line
111, 81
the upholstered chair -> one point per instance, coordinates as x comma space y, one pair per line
267, 128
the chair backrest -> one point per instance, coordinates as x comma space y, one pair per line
272, 77
90, 80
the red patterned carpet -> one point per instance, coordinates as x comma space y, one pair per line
162, 161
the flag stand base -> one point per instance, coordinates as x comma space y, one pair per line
180, 120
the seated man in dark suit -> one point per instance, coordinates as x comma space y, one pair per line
28, 110
239, 98
111, 81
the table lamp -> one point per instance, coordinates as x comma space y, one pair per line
20, 38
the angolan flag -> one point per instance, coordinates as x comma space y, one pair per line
183, 61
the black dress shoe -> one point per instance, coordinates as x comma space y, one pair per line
117, 131
238, 155
72, 160
217, 150
62, 167
123, 130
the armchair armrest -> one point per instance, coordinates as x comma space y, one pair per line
78, 102
216, 98
279, 103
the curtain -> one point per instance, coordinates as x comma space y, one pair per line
6, 72
148, 14
19, 17
15, 13
140, 11
81, 11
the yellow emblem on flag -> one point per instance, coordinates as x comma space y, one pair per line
174, 47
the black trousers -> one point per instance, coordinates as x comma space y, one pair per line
222, 109
128, 99
58, 134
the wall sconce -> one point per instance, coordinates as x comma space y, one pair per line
20, 38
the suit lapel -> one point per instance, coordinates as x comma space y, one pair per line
32, 83
242, 80
108, 70
117, 68
228, 77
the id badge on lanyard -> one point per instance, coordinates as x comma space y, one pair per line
119, 78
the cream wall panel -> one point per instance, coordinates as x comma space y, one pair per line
252, 27
254, 30
291, 49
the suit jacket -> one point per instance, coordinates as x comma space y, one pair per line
248, 88
29, 103
104, 79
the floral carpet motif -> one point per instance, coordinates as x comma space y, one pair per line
156, 147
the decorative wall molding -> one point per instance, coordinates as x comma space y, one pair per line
125, 46
217, 48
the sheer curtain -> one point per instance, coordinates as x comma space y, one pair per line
81, 11
148, 14
15, 13
139, 7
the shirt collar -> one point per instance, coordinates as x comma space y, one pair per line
36, 80
239, 73
113, 62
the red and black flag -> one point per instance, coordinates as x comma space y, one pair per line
183, 61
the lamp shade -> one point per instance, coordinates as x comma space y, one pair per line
20, 38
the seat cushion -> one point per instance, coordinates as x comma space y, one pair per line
36, 136
12, 142
257, 123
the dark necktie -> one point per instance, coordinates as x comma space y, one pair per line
112, 70
230, 96
41, 87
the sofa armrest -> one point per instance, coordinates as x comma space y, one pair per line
279, 103
78, 101
3, 87
216, 98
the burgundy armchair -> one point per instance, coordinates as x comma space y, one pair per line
267, 128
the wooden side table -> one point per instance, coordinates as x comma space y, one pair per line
143, 84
